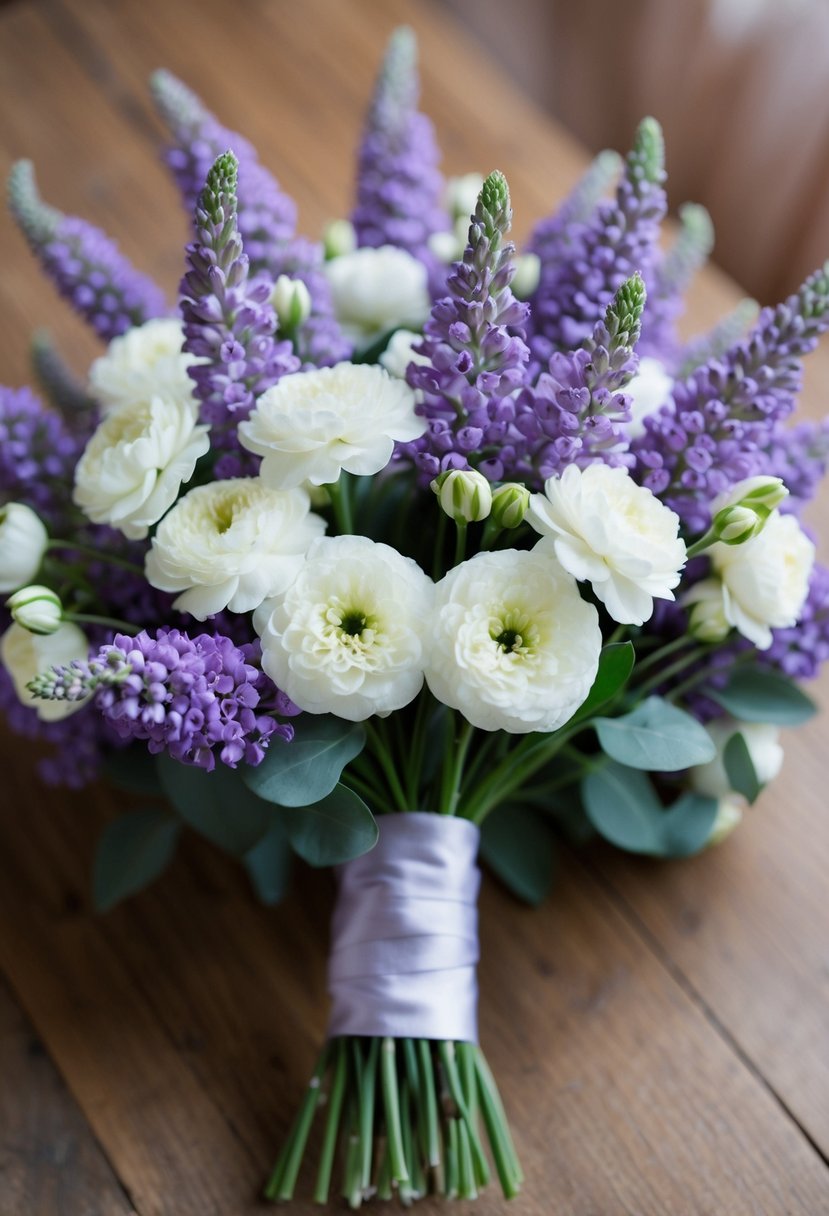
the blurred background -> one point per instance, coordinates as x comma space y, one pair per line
741, 88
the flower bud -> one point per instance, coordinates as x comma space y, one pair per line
339, 238
707, 621
23, 541
465, 496
733, 525
36, 608
527, 274
742, 511
291, 300
509, 504
729, 814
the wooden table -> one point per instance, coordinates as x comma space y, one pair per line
660, 1031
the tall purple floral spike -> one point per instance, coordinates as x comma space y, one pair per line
476, 353
38, 454
619, 239
87, 267
228, 318
718, 340
669, 280
799, 454
576, 413
399, 186
723, 416
64, 391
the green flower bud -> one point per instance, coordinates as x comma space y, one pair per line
37, 609
291, 300
509, 504
338, 238
734, 525
742, 511
707, 621
465, 496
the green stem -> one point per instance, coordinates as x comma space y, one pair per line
340, 494
282, 1181
452, 784
704, 542
367, 1113
699, 677
391, 1103
520, 763
446, 1053
657, 656
332, 1122
460, 543
427, 1082
111, 622
673, 669
440, 542
100, 555
503, 1152
381, 753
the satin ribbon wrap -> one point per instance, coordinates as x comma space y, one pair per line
405, 933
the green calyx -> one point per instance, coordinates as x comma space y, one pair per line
623, 318
493, 210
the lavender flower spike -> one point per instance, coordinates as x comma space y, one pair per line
718, 340
399, 187
621, 238
87, 267
229, 321
65, 392
671, 276
475, 351
38, 454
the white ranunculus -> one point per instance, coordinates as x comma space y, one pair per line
26, 655
763, 743
145, 362
513, 645
399, 354
650, 389
311, 425
23, 540
231, 544
765, 580
134, 465
375, 290
347, 637
614, 534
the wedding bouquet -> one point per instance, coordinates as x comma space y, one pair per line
377, 549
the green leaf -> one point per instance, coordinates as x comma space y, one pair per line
519, 847
686, 826
740, 767
333, 830
268, 864
622, 805
134, 770
218, 805
615, 665
307, 769
132, 852
764, 696
655, 736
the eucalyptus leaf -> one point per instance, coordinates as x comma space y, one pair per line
755, 695
687, 825
302, 772
656, 736
132, 852
333, 830
615, 665
740, 768
219, 805
622, 805
268, 864
518, 846
133, 769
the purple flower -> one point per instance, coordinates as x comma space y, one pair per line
799, 651
670, 276
799, 454
76, 742
63, 390
38, 454
87, 267
717, 341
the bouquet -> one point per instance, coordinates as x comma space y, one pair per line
401, 548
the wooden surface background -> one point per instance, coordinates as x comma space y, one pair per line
660, 1031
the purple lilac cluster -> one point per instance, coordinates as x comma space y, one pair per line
475, 349
723, 415
620, 238
668, 281
38, 454
229, 320
399, 186
86, 266
199, 699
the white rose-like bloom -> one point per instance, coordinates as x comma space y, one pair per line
614, 534
311, 425
23, 540
133, 467
399, 354
765, 580
347, 637
143, 362
650, 389
375, 290
231, 544
513, 645
763, 743
26, 655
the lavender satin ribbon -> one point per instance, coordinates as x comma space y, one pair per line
405, 933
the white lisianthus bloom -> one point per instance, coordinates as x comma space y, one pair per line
311, 425
347, 637
765, 580
375, 290
762, 742
23, 540
144, 362
134, 465
26, 655
614, 534
650, 389
399, 354
513, 645
231, 544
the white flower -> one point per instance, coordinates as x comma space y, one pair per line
514, 646
23, 540
133, 466
650, 388
765, 581
26, 655
144, 362
399, 354
311, 425
527, 275
614, 534
347, 637
763, 743
729, 816
36, 608
461, 195
231, 544
291, 301
375, 290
